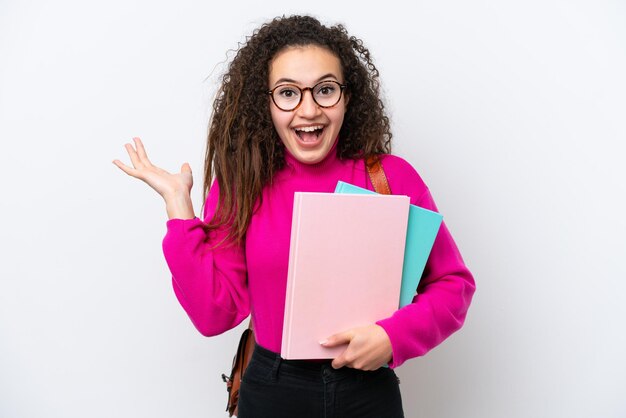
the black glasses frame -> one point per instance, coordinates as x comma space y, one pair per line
310, 89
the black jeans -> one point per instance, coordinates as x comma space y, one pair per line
274, 388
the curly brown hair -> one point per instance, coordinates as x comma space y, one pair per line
243, 148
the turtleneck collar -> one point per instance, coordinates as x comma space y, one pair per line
294, 166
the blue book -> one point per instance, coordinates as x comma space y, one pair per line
422, 229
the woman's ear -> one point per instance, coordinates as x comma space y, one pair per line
346, 99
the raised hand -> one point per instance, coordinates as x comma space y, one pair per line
174, 188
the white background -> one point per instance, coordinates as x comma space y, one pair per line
513, 112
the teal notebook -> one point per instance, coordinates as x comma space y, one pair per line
421, 232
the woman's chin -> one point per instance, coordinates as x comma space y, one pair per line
310, 152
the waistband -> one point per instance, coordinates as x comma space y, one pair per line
314, 364
317, 372
308, 370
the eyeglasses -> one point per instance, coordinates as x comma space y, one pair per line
288, 97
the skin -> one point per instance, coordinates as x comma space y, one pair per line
368, 347
174, 188
305, 67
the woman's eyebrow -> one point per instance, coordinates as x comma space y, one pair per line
292, 81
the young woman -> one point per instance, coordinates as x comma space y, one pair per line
298, 110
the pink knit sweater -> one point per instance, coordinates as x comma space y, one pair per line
219, 288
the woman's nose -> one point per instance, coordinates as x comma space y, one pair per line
308, 107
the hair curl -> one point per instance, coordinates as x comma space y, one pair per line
243, 148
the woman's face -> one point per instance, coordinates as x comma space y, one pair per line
306, 66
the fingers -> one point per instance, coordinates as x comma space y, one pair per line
138, 158
160, 180
335, 340
338, 339
134, 158
352, 358
126, 169
141, 151
368, 348
340, 361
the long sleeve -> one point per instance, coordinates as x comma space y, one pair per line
444, 293
210, 283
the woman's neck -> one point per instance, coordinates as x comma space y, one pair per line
295, 166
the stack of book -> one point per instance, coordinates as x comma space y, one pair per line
355, 258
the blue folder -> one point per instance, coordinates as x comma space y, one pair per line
422, 229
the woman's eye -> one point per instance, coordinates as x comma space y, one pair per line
326, 90
288, 93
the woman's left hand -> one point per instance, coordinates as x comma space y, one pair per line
368, 348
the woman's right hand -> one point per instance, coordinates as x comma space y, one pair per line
174, 188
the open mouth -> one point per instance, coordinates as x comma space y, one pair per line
309, 133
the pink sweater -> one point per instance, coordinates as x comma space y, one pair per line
219, 288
